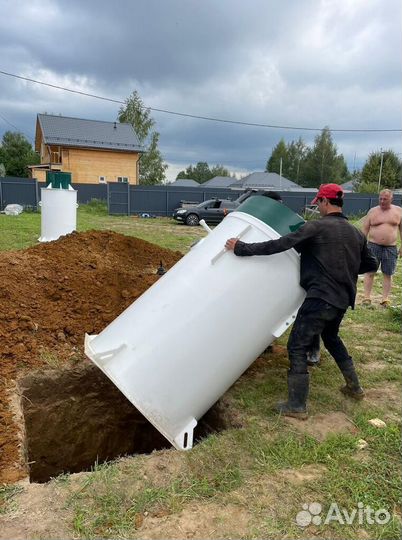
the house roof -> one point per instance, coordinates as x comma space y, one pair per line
219, 181
348, 186
77, 132
184, 182
266, 180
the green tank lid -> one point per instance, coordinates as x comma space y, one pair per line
275, 214
58, 179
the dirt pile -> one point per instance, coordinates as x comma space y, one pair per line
51, 295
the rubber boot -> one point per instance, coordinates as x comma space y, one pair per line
295, 406
352, 387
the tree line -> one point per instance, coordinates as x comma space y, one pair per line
320, 163
306, 166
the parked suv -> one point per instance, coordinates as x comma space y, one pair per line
212, 211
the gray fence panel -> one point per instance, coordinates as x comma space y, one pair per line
118, 201
162, 200
148, 201
295, 202
86, 192
18, 191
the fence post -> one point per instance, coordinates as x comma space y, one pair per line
36, 194
107, 197
167, 202
128, 198
1, 195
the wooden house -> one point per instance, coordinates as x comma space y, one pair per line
92, 151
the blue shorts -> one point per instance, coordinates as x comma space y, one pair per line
386, 256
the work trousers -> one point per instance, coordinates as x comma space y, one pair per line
317, 318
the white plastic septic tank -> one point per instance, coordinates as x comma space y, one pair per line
58, 212
187, 339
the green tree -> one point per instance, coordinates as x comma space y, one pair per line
292, 154
274, 162
297, 151
391, 171
2, 169
370, 187
356, 179
323, 164
201, 172
219, 170
16, 153
152, 167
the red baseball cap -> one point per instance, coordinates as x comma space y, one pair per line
329, 191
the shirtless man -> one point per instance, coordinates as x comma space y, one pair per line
381, 227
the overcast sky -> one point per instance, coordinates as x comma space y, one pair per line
307, 63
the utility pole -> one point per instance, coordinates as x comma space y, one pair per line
298, 169
379, 176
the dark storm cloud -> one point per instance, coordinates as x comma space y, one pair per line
311, 63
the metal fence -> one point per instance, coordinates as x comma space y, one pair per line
27, 192
126, 199
162, 200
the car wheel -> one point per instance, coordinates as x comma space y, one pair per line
192, 220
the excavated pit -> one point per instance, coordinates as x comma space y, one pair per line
58, 412
51, 294
75, 418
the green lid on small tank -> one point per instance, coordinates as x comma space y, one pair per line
58, 179
275, 214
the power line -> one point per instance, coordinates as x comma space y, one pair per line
186, 115
15, 127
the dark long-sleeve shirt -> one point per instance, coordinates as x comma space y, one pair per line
332, 253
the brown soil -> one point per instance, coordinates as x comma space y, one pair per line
308, 473
320, 426
54, 293
387, 397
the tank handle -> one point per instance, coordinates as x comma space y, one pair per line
184, 440
224, 250
205, 226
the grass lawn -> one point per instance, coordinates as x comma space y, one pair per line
19, 232
254, 479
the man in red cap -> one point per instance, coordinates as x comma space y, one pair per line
333, 253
